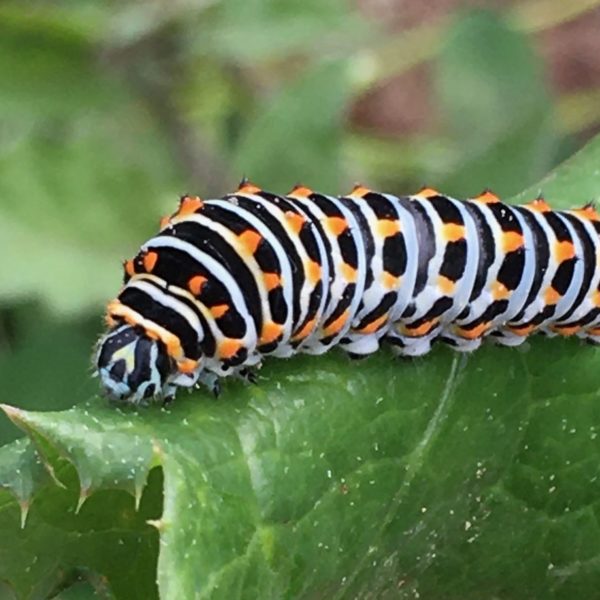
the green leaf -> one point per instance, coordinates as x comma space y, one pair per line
299, 131
32, 349
47, 77
21, 472
461, 476
250, 31
575, 183
486, 67
58, 545
495, 104
84, 590
82, 169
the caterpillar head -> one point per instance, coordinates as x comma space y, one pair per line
131, 366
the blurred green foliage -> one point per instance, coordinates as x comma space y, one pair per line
110, 110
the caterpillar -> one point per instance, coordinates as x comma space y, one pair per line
229, 281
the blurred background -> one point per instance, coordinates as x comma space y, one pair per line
110, 110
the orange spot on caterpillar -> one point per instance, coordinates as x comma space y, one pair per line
150, 260
359, 191
587, 212
539, 205
188, 365
499, 291
427, 192
511, 241
272, 281
522, 330
336, 225
551, 295
336, 325
487, 197
472, 333
305, 331
246, 187
566, 330
250, 240
270, 332
349, 272
228, 348
129, 267
446, 285
596, 298
165, 221
564, 251
420, 330
174, 348
188, 205
374, 325
388, 280
295, 221
300, 191
388, 227
313, 271
454, 232
219, 310
196, 283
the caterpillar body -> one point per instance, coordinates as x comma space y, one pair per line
229, 281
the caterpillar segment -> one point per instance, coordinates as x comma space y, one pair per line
229, 281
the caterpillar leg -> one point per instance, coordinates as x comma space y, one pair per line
459, 343
247, 375
591, 334
360, 345
506, 337
409, 346
211, 381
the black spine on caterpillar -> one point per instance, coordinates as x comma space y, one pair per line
229, 281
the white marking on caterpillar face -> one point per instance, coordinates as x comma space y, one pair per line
131, 366
115, 389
